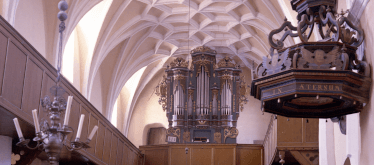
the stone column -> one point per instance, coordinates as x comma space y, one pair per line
6, 150
326, 142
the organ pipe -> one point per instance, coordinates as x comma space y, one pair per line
211, 86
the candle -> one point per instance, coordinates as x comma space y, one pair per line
93, 132
80, 127
68, 107
36, 121
18, 128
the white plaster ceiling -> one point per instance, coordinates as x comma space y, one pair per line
138, 33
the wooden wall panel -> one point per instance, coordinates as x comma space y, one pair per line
93, 121
125, 155
179, 156
224, 156
3, 53
14, 75
201, 156
33, 84
248, 155
312, 127
107, 143
204, 154
289, 131
120, 152
100, 141
156, 157
85, 126
113, 152
74, 118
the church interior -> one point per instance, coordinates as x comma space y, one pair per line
197, 82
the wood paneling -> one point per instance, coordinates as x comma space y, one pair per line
120, 152
311, 130
3, 52
26, 76
224, 156
289, 129
100, 141
252, 155
204, 154
113, 152
94, 141
178, 156
14, 75
156, 157
107, 143
32, 87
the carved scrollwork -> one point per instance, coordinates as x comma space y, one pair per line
232, 132
319, 59
179, 62
288, 32
347, 36
186, 136
330, 21
304, 24
281, 63
174, 132
202, 49
242, 91
226, 63
217, 137
162, 90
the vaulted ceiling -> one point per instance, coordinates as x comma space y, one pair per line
138, 33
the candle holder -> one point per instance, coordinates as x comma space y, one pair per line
52, 136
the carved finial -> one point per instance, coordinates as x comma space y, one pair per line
285, 19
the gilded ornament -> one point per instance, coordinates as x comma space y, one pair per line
202, 49
174, 132
161, 90
230, 133
226, 63
186, 136
179, 62
275, 64
217, 137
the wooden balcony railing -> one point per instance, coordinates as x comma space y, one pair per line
270, 141
25, 78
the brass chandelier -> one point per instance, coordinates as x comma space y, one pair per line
52, 136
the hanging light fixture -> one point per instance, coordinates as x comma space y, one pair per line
51, 136
314, 79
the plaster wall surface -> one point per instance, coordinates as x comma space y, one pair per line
30, 21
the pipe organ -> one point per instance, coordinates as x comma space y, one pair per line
202, 98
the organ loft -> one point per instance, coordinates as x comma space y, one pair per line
202, 98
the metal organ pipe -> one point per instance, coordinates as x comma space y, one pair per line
206, 93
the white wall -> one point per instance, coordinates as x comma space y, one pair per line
29, 22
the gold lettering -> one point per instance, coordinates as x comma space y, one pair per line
301, 86
308, 86
314, 87
331, 87
273, 91
319, 87
279, 90
337, 88
325, 87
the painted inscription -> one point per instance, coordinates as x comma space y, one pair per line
319, 87
301, 86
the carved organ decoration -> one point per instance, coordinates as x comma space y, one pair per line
205, 97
